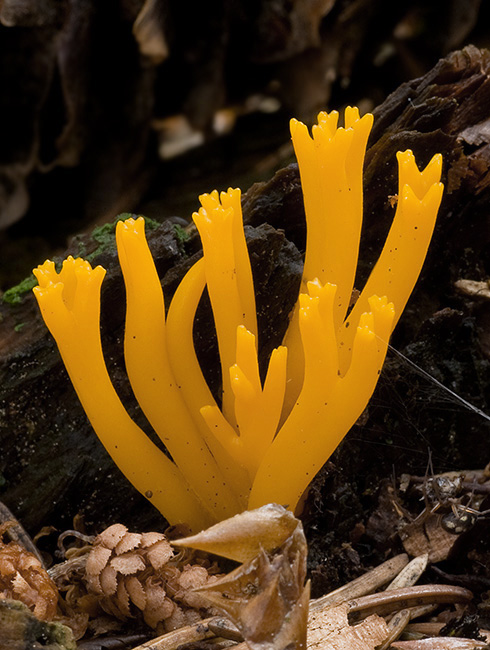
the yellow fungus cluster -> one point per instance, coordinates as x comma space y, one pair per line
265, 442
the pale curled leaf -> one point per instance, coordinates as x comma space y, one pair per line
265, 597
329, 629
242, 537
393, 600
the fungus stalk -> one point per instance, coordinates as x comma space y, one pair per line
70, 305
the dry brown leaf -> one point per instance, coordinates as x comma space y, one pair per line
428, 537
329, 629
265, 597
243, 536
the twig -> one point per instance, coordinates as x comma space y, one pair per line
111, 643
205, 629
73, 565
387, 602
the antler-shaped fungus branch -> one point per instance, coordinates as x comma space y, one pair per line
241, 455
70, 305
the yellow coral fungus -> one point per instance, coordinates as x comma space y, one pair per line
266, 442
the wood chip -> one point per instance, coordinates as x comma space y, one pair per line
329, 628
474, 288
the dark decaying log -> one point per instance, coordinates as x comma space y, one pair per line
52, 466
21, 629
84, 82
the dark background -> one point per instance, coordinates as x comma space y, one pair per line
91, 90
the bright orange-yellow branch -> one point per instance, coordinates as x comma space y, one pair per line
258, 441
